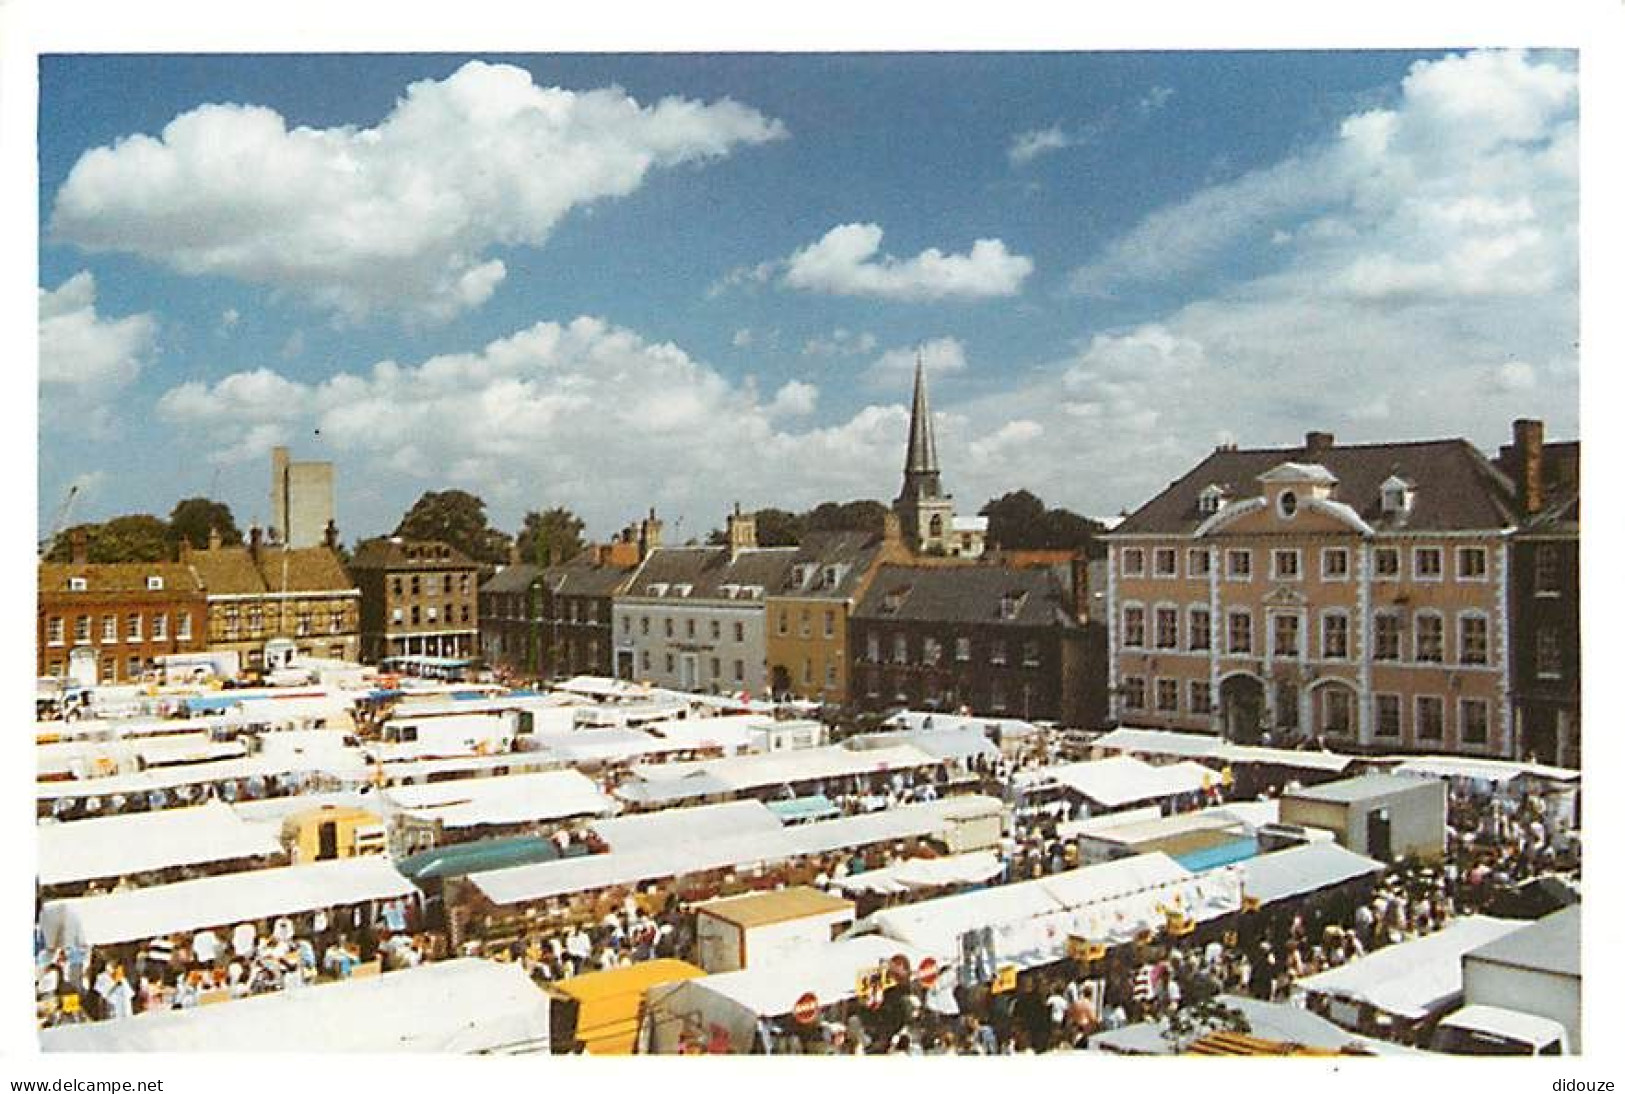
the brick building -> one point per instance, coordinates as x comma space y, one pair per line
1545, 595
419, 598
809, 611
1355, 594
556, 621
108, 622
997, 640
268, 602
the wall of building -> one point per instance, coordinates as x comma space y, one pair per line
807, 638
731, 656
119, 656
1296, 689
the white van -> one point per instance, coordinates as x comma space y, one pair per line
1491, 1031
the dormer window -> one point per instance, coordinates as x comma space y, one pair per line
1287, 503
1010, 604
1212, 497
155, 583
892, 602
832, 576
1397, 495
77, 585
681, 590
658, 589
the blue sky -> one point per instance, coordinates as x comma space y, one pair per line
700, 279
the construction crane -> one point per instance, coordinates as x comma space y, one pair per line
59, 522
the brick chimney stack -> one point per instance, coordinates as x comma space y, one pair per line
1528, 439
1317, 444
330, 536
1080, 586
79, 547
215, 539
256, 539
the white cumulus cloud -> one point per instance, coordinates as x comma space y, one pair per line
398, 217
81, 349
895, 367
847, 262
1029, 145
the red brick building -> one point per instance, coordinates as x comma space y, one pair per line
109, 621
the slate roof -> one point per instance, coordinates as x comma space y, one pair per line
394, 553
1457, 488
512, 578
853, 552
707, 569
965, 594
580, 577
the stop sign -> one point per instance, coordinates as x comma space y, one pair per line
927, 973
806, 1009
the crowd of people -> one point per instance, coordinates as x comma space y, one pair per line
75, 983
1492, 843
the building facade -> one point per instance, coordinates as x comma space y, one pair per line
302, 512
809, 612
419, 598
996, 640
107, 623
556, 621
693, 618
1545, 595
1356, 595
268, 603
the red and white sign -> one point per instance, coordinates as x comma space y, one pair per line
806, 1009
927, 973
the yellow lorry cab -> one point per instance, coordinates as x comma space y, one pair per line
601, 1011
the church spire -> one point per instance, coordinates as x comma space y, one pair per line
922, 438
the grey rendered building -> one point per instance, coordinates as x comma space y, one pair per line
694, 618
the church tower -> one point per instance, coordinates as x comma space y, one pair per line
924, 511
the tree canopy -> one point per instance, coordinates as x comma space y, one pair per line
552, 533
456, 518
135, 537
1020, 521
193, 518
782, 528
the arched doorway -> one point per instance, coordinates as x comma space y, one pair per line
1332, 710
1241, 708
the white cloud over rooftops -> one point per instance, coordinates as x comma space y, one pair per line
399, 217
847, 261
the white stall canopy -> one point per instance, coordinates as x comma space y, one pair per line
671, 827
1123, 780
521, 884
1305, 869
220, 901
1411, 980
914, 874
505, 799
461, 1006
109, 847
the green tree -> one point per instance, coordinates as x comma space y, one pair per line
866, 515
553, 533
778, 528
1019, 521
193, 518
456, 518
136, 537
